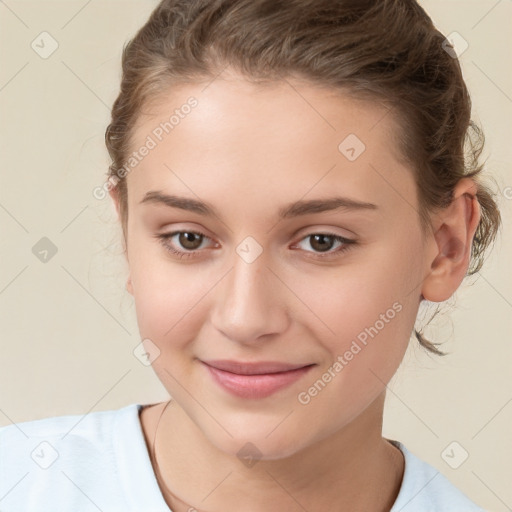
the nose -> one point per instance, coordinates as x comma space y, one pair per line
250, 302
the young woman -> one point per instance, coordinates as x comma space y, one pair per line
292, 183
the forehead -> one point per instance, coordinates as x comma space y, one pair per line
281, 138
262, 109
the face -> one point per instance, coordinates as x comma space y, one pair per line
335, 290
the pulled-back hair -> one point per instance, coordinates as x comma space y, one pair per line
383, 50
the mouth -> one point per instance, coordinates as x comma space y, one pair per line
254, 368
254, 379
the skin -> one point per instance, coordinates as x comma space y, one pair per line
249, 150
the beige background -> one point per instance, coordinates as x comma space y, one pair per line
68, 325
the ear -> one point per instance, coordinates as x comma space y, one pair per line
114, 194
454, 229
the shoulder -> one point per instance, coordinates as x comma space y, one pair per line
66, 462
426, 489
76, 424
77, 432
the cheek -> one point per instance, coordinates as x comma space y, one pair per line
169, 299
364, 312
371, 313
170, 314
346, 299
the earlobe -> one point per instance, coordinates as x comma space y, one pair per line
454, 230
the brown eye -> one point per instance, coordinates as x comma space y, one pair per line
321, 242
330, 244
189, 240
183, 244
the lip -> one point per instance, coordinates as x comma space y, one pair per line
255, 379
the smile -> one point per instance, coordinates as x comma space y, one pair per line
254, 380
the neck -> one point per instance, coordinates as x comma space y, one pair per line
353, 469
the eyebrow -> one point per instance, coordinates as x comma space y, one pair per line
291, 210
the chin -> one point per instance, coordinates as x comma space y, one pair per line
258, 444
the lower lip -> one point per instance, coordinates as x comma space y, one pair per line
255, 386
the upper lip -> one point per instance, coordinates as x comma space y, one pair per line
253, 368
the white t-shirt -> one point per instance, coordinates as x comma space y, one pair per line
100, 462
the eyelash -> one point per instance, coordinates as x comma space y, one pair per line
163, 238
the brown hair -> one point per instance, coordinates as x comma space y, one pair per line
384, 50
